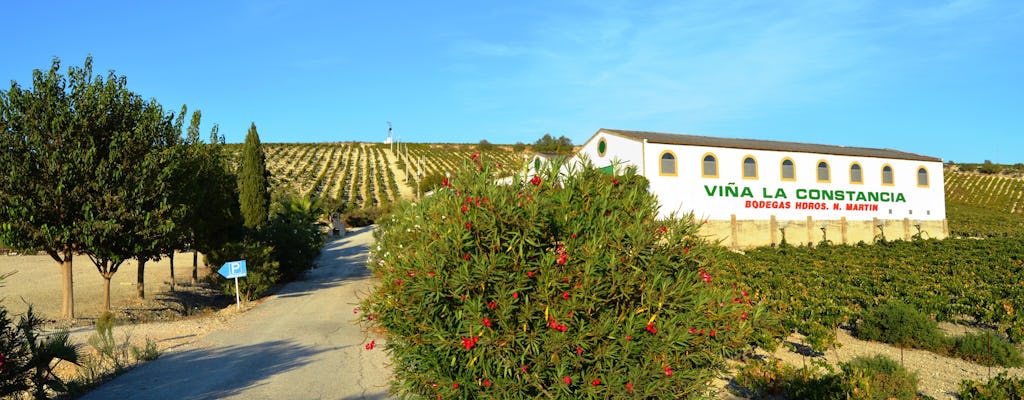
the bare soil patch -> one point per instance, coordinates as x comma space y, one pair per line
36, 282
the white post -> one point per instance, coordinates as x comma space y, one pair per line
238, 302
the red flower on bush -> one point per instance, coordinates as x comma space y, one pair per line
487, 383
487, 322
562, 258
468, 343
615, 182
469, 225
712, 333
529, 274
523, 368
565, 295
629, 337
704, 276
579, 351
668, 371
595, 382
371, 345
535, 181
431, 273
465, 208
515, 295
492, 304
455, 385
743, 317
445, 183
567, 380
629, 387
651, 328
465, 256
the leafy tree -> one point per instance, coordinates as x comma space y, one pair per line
548, 144
214, 218
133, 145
519, 147
254, 197
484, 145
45, 158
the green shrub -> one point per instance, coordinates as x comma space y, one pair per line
988, 348
998, 388
262, 271
877, 377
295, 235
27, 357
861, 378
430, 182
1015, 333
565, 288
762, 379
902, 325
363, 217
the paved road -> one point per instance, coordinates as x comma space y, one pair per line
302, 343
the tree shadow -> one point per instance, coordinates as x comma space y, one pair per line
235, 368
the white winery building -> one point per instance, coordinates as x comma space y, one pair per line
752, 192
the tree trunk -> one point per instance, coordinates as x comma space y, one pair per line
106, 293
140, 285
171, 256
68, 287
195, 267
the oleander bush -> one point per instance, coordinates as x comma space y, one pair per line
551, 286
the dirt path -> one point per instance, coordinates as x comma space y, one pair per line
301, 343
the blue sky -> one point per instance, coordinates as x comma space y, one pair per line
941, 78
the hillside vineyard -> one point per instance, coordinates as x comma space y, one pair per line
368, 174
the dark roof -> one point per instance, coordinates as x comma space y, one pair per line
756, 144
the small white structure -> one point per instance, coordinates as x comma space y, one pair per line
751, 192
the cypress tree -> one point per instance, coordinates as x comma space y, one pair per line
254, 197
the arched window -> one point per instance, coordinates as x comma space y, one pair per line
749, 167
668, 164
824, 175
709, 166
922, 177
788, 170
887, 178
856, 173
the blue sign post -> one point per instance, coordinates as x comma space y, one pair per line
234, 269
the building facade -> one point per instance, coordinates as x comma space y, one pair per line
752, 193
